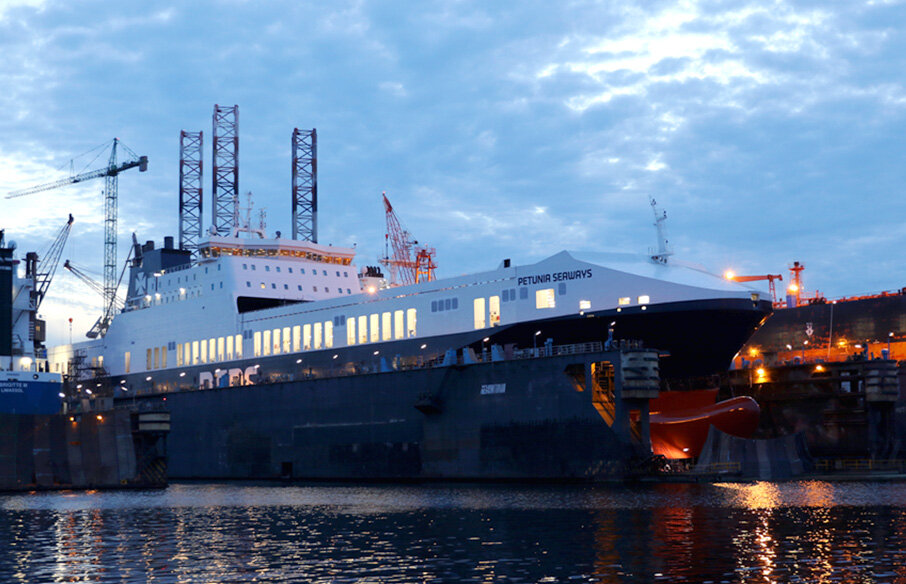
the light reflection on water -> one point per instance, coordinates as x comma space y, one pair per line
762, 532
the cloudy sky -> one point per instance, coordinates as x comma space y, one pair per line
769, 131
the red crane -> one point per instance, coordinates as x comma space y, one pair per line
769, 277
404, 269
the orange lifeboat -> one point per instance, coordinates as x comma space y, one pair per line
680, 420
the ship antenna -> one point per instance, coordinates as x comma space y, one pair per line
663, 249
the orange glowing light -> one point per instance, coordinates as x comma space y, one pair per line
729, 274
100, 418
793, 288
753, 352
819, 369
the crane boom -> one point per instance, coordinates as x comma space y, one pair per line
47, 264
404, 269
141, 162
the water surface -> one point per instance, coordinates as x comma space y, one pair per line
763, 532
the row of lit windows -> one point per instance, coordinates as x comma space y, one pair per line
626, 300
191, 353
263, 286
314, 272
253, 252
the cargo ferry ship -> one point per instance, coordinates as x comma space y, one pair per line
280, 357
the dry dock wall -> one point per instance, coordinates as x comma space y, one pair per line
58, 451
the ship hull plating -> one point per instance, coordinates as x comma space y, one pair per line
523, 418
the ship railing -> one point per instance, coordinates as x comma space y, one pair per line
860, 465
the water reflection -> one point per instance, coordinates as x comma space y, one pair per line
762, 532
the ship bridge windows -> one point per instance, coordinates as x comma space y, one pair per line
266, 342
350, 332
624, 301
317, 335
287, 340
644, 299
523, 293
545, 298
561, 288
398, 325
257, 344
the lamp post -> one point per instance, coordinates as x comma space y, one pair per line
483, 349
535, 343
889, 337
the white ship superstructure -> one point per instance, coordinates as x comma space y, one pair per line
257, 298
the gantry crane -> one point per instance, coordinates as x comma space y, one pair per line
403, 268
110, 174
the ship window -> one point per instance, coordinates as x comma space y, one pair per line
326, 289
317, 335
274, 286
506, 295
221, 285
267, 268
278, 268
127, 358
584, 304
297, 338
434, 306
350, 331
229, 348
386, 331
348, 291
163, 357
410, 322
180, 358
262, 285
306, 337
561, 288
624, 301
286, 340
253, 267
266, 342
545, 298
156, 357
212, 350
328, 334
221, 348
300, 287
257, 343
478, 309
363, 329
375, 328
302, 270
645, 299
325, 272
276, 338
148, 360
345, 274
238, 346
523, 293
286, 286
314, 288
188, 356
494, 310
398, 332
203, 356
212, 285
338, 274
248, 284
448, 304
290, 270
